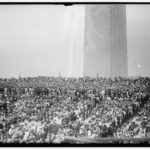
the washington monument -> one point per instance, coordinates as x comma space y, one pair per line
105, 43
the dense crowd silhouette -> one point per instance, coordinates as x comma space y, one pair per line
47, 109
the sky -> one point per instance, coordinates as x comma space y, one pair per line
138, 39
45, 40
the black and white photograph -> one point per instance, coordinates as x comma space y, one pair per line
74, 74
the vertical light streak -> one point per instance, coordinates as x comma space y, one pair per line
71, 50
72, 35
77, 42
82, 40
66, 28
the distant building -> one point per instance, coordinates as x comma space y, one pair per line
105, 47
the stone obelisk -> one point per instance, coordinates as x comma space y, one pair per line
105, 43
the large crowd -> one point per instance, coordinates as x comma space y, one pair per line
47, 109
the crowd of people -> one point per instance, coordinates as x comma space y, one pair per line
138, 126
47, 109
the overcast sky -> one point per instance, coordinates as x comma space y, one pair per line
42, 40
